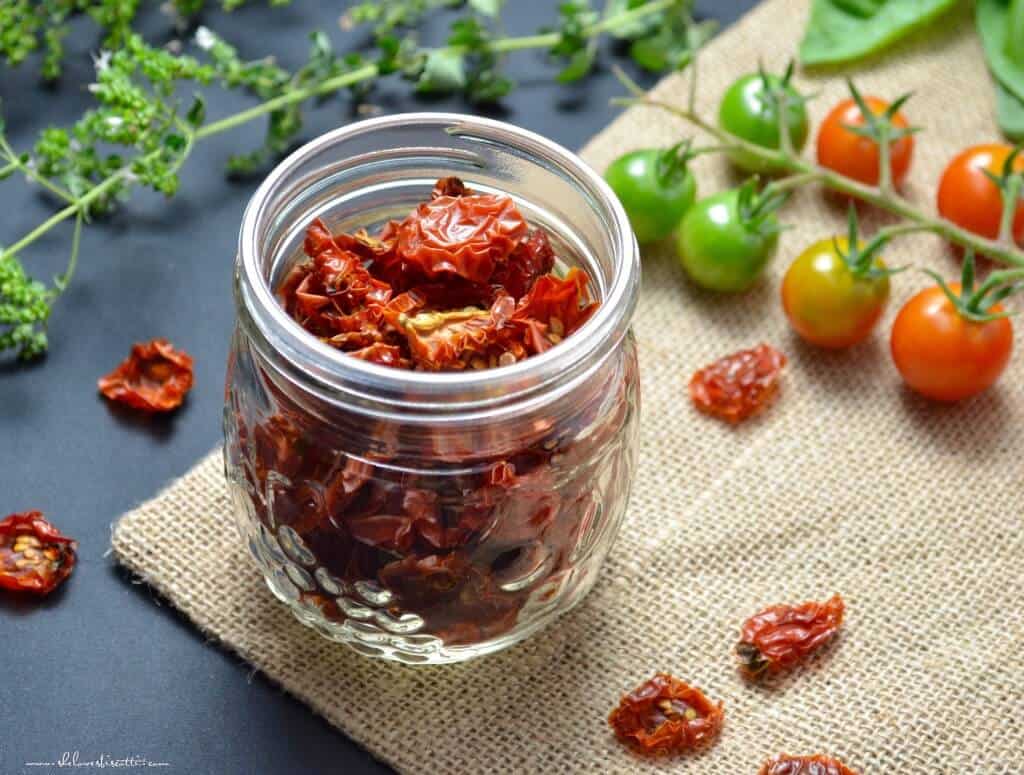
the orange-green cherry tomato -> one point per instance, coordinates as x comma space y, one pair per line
943, 355
826, 302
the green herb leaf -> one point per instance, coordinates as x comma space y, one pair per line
443, 71
999, 24
25, 306
197, 112
636, 28
844, 30
1010, 113
487, 7
580, 64
672, 46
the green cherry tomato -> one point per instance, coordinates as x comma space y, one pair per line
655, 188
826, 302
750, 111
721, 247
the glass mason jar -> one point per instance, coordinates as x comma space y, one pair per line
495, 495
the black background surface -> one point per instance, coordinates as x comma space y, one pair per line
104, 666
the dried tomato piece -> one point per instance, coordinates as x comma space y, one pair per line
554, 308
532, 258
383, 354
460, 338
740, 385
450, 186
34, 556
666, 716
424, 581
784, 764
781, 636
154, 378
467, 236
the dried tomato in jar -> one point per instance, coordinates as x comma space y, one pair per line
462, 283
34, 556
781, 636
154, 378
784, 764
740, 385
666, 716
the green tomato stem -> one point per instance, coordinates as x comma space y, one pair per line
884, 159
792, 182
1011, 196
997, 250
782, 105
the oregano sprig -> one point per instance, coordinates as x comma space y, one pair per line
141, 132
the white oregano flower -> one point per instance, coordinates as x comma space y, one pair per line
114, 121
102, 61
205, 38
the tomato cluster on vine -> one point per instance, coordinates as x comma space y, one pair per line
950, 341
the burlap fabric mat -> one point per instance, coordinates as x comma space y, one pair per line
912, 511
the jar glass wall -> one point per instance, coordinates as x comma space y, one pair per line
419, 516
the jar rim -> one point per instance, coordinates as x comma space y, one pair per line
333, 368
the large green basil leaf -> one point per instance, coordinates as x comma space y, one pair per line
1001, 26
1010, 112
844, 30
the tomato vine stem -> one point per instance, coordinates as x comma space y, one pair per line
801, 170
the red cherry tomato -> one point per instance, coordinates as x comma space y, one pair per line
855, 156
970, 200
943, 355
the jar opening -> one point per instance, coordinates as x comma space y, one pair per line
367, 172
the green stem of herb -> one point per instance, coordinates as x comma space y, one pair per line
31, 174
76, 241
299, 95
81, 204
1000, 251
885, 184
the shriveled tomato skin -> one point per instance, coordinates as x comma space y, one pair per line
827, 305
855, 156
784, 764
665, 716
968, 198
34, 556
155, 377
782, 636
467, 236
944, 356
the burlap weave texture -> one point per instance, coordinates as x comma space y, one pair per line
851, 484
